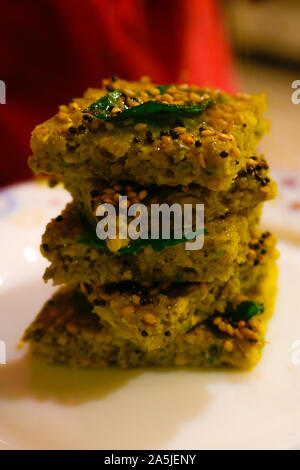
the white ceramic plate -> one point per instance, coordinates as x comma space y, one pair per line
57, 408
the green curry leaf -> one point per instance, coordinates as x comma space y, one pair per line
89, 238
246, 310
101, 108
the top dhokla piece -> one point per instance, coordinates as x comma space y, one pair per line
164, 134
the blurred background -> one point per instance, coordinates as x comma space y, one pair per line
52, 50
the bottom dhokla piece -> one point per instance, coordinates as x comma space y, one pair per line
67, 332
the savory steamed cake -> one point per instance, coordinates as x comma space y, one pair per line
136, 304
76, 254
250, 188
208, 148
67, 332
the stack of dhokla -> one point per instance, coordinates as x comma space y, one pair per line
129, 304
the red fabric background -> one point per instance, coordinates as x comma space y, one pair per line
51, 50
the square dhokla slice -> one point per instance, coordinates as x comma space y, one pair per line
151, 316
77, 255
251, 187
207, 148
67, 332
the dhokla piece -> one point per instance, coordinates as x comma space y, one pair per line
67, 332
77, 255
164, 135
151, 317
251, 187
154, 315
